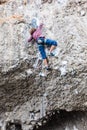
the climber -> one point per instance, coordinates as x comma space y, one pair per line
36, 34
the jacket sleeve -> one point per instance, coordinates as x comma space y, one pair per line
30, 39
40, 26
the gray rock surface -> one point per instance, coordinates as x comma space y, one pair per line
24, 94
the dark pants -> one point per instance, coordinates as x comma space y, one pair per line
41, 45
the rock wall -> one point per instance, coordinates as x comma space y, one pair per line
28, 93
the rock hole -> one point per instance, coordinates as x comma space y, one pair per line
13, 126
63, 120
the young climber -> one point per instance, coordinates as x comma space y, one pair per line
41, 41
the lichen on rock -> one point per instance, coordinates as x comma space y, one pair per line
3, 1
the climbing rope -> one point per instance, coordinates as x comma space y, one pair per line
43, 88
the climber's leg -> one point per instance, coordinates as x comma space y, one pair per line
52, 44
43, 55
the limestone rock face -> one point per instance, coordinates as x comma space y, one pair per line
27, 91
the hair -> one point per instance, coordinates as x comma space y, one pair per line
32, 31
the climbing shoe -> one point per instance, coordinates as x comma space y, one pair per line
51, 54
48, 68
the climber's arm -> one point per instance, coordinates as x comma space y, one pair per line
40, 26
30, 39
